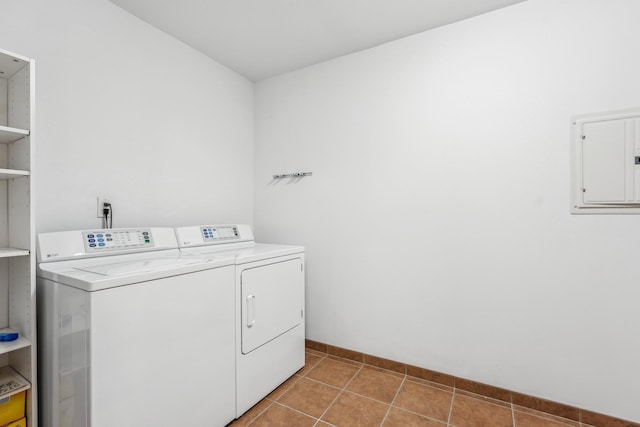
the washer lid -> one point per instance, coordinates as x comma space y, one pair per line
138, 266
93, 274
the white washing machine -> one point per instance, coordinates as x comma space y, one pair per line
269, 306
133, 332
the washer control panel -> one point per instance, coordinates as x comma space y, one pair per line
105, 240
219, 232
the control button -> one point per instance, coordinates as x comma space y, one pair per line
108, 235
90, 236
100, 240
100, 235
101, 244
145, 233
92, 240
92, 245
109, 240
147, 241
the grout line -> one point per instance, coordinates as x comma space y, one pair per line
568, 422
395, 397
420, 415
320, 382
320, 359
340, 393
432, 384
311, 368
386, 371
330, 405
487, 399
271, 402
453, 395
408, 410
296, 410
394, 400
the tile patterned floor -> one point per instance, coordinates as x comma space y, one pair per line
331, 391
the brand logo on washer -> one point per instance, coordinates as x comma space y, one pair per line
52, 255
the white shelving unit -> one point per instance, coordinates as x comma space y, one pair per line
17, 222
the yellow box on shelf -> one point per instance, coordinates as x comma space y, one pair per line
19, 423
12, 396
12, 408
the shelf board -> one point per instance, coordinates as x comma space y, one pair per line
8, 134
11, 252
12, 173
10, 63
9, 346
11, 382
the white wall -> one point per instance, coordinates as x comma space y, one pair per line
437, 218
125, 111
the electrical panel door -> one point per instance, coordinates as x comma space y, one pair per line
603, 161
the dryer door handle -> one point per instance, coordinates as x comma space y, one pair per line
251, 310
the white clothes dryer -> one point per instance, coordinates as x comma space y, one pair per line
133, 332
269, 305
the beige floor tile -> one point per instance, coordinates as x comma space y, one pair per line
251, 414
425, 400
352, 410
375, 384
279, 416
345, 360
401, 418
470, 412
333, 372
310, 362
275, 394
545, 415
310, 397
429, 383
314, 352
530, 420
483, 398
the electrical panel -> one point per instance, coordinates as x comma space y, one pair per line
605, 154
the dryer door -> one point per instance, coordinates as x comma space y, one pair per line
271, 301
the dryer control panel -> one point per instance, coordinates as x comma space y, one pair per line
102, 240
221, 235
220, 232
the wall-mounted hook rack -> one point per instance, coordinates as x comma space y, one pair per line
292, 175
